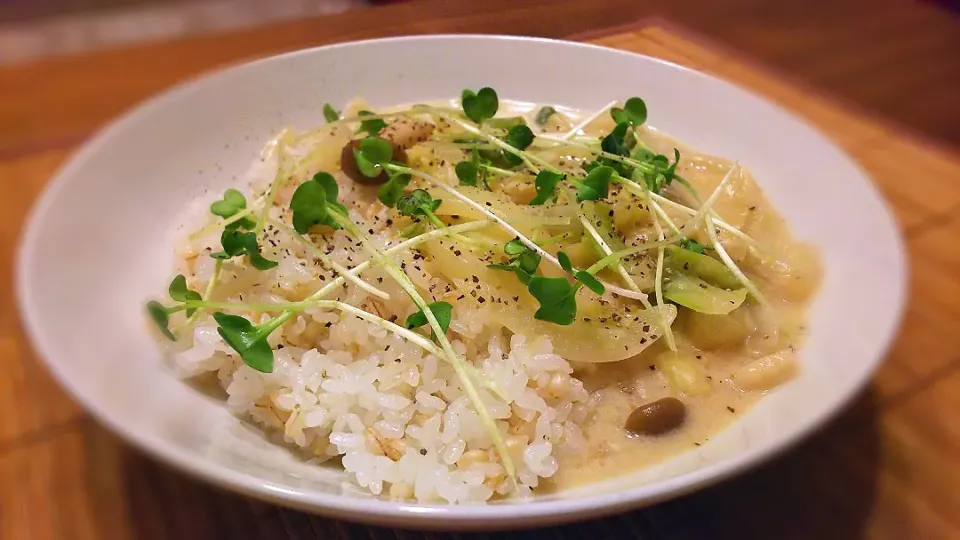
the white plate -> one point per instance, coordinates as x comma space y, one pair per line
98, 244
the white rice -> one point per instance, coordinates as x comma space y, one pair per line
342, 388
397, 417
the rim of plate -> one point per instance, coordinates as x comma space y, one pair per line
384, 512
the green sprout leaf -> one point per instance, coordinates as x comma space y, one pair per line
671, 172
232, 202
332, 189
544, 114
372, 126
524, 277
329, 113
546, 186
660, 161
161, 318
528, 261
634, 112
590, 282
248, 340
594, 186
468, 173
442, 311
644, 154
481, 105
663, 172
258, 261
178, 291
236, 243
417, 203
557, 298
479, 164
614, 141
372, 154
310, 203
231, 244
519, 137
514, 247
692, 245
391, 192
524, 262
565, 263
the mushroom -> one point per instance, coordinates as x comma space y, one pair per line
657, 417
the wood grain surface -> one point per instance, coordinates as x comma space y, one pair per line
887, 468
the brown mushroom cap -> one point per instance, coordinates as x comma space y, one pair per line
348, 162
657, 417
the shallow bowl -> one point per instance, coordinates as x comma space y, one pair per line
99, 243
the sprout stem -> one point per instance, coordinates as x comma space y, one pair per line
272, 190
329, 262
459, 364
646, 167
207, 294
394, 328
658, 289
692, 212
708, 204
498, 170
725, 257
219, 225
663, 215
528, 158
512, 230
618, 255
586, 121
627, 278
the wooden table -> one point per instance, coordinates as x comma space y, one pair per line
886, 469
